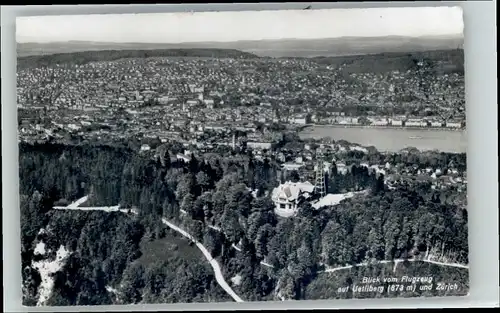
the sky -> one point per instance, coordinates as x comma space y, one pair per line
242, 25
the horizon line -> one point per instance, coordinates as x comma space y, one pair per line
455, 35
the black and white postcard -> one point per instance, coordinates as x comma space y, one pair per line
242, 156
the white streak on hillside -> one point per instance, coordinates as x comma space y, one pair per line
253, 192
40, 248
111, 290
396, 262
236, 280
115, 293
74, 204
115, 208
215, 265
335, 269
332, 199
47, 269
266, 264
214, 227
79, 202
277, 291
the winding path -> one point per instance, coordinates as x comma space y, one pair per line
215, 265
73, 205
395, 261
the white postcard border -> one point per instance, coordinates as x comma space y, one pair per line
482, 158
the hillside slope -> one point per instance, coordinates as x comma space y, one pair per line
389, 281
110, 55
270, 48
439, 60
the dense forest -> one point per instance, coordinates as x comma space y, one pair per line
36, 61
223, 201
108, 250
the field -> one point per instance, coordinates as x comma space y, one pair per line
171, 246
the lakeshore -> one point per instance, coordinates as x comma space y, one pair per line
446, 129
392, 139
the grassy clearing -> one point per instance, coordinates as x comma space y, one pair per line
171, 246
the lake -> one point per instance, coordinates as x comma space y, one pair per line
393, 139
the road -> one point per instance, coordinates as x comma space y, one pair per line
331, 270
73, 205
215, 265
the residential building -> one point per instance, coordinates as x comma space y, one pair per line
289, 195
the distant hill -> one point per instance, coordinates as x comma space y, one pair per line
440, 61
109, 55
269, 48
376, 55
346, 46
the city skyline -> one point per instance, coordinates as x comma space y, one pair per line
195, 27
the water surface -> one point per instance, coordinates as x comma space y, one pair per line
393, 139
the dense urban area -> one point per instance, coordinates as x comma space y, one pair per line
207, 192
182, 95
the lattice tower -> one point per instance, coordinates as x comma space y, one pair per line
320, 184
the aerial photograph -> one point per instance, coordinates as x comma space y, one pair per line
242, 156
